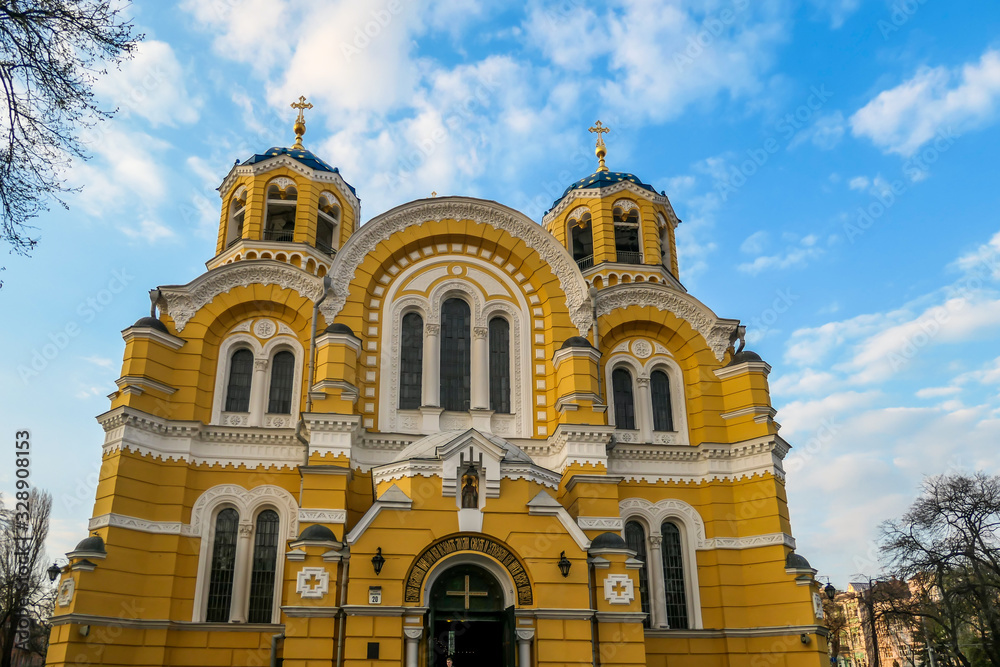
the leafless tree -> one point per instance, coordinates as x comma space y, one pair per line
51, 51
25, 591
947, 547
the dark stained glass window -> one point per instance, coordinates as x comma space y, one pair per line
500, 365
220, 581
621, 385
635, 538
411, 361
673, 577
282, 376
663, 418
265, 555
455, 355
240, 374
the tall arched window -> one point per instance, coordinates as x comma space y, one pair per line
582, 241
282, 376
237, 214
265, 555
279, 222
411, 361
621, 386
635, 538
659, 385
500, 365
240, 375
673, 577
627, 244
455, 355
327, 220
220, 583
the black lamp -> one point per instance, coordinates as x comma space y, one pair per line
564, 564
830, 591
54, 572
378, 561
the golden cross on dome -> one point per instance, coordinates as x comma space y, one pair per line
601, 149
300, 122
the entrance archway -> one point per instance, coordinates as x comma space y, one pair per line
467, 620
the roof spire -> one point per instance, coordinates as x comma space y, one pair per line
601, 149
300, 122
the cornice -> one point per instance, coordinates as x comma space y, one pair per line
289, 248
701, 463
745, 367
165, 339
273, 163
598, 193
717, 332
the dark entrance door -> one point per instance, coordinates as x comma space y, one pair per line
466, 620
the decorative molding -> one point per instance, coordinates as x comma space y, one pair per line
641, 348
139, 384
165, 339
271, 163
312, 583
66, 590
322, 516
705, 462
596, 193
246, 501
382, 227
293, 611
182, 302
604, 523
264, 329
746, 367
764, 631
625, 205
716, 332
114, 520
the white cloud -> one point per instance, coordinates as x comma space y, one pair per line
103, 362
937, 392
124, 172
825, 133
754, 244
935, 101
152, 85
796, 255
861, 183
838, 10
148, 231
985, 257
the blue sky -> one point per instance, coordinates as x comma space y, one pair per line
832, 161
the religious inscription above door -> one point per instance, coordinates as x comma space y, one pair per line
475, 543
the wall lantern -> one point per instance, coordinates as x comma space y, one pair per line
564, 564
53, 572
830, 591
378, 561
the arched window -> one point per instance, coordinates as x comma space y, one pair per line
220, 583
279, 222
582, 241
455, 355
673, 577
621, 385
265, 555
327, 220
240, 375
282, 376
411, 361
627, 245
500, 365
664, 242
635, 538
659, 385
237, 213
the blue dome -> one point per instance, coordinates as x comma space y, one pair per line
301, 155
603, 179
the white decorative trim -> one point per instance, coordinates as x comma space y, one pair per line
625, 205
596, 193
257, 414
382, 227
138, 384
312, 591
182, 302
717, 332
322, 515
705, 462
264, 329
277, 161
605, 523
392, 499
115, 520
165, 339
544, 504
619, 589
66, 590
746, 367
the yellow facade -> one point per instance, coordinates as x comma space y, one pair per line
515, 444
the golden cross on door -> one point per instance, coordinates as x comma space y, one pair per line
468, 593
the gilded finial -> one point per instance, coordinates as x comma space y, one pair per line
601, 149
300, 122
434, 194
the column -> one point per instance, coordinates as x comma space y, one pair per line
654, 569
480, 390
241, 574
644, 410
412, 636
432, 365
258, 392
524, 647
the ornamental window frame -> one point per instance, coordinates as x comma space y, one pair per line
237, 216
517, 423
288, 191
689, 524
248, 504
331, 245
626, 209
580, 218
643, 399
260, 382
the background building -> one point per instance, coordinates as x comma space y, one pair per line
450, 431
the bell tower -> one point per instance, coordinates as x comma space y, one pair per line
286, 204
617, 227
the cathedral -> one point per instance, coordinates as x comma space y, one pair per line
449, 436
